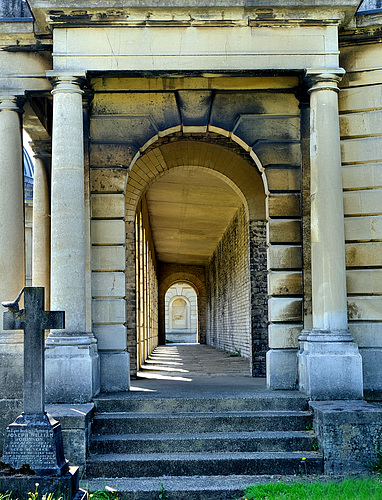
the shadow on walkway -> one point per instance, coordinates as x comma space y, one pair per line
195, 369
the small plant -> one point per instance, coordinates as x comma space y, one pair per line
162, 492
303, 467
47, 496
376, 466
309, 427
235, 354
315, 446
106, 494
6, 496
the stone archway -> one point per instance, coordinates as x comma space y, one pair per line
168, 275
180, 161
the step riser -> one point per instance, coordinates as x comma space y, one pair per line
133, 468
201, 445
198, 405
181, 495
198, 423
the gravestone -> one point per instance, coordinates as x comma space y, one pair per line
34, 438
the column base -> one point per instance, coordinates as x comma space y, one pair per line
281, 367
329, 366
11, 365
72, 373
115, 371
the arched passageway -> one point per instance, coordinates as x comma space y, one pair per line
199, 219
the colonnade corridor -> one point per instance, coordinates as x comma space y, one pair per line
192, 255
195, 369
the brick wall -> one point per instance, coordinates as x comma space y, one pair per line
228, 290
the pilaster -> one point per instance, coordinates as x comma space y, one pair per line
330, 365
12, 260
72, 362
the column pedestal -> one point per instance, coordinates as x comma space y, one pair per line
330, 366
72, 368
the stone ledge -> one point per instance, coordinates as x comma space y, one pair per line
349, 434
71, 415
75, 423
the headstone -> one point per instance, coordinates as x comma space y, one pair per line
34, 438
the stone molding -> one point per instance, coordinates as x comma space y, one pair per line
41, 149
12, 101
67, 81
323, 79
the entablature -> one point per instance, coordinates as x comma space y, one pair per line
65, 13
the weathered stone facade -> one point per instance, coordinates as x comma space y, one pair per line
153, 125
360, 126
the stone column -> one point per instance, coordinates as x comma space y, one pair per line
72, 366
330, 365
41, 219
12, 260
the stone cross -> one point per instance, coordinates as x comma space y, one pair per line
34, 438
33, 320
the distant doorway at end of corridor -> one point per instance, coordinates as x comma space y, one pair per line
181, 314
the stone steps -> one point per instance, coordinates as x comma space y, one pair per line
210, 442
259, 401
139, 442
188, 464
144, 423
182, 488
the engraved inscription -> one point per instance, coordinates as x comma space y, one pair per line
30, 446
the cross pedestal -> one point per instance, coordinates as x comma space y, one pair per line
34, 438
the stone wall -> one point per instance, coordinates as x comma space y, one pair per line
348, 435
284, 260
259, 296
108, 261
361, 143
228, 290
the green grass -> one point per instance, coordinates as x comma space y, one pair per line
348, 489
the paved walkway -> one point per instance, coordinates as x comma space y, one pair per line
195, 369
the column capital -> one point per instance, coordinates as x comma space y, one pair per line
41, 149
67, 81
323, 79
12, 100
